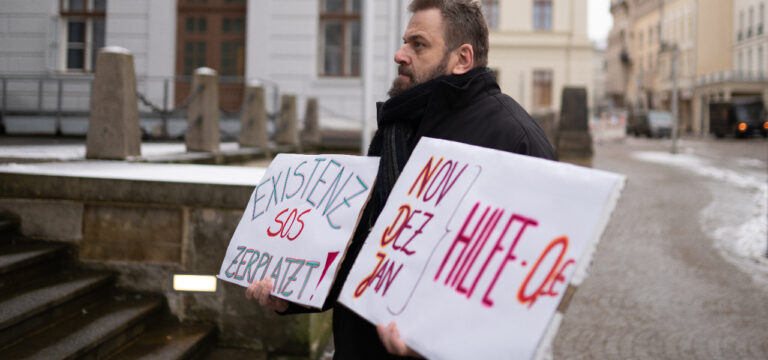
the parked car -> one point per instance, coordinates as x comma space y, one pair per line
653, 123
740, 117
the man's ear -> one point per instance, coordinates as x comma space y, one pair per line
465, 59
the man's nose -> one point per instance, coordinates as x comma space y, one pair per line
401, 57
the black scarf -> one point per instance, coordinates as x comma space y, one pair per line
394, 141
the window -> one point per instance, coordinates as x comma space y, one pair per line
740, 65
542, 15
84, 27
761, 17
751, 22
749, 62
760, 61
542, 88
741, 25
340, 37
491, 13
650, 35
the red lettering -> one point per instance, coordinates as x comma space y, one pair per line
526, 297
462, 238
366, 282
425, 175
510, 254
475, 251
277, 220
287, 224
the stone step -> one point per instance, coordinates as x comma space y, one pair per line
27, 260
169, 340
95, 332
9, 227
24, 307
230, 353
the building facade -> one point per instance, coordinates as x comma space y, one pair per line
303, 47
719, 47
645, 42
618, 54
538, 47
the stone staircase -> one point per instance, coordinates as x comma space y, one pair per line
52, 309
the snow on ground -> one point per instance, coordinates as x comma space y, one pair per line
181, 173
737, 217
77, 151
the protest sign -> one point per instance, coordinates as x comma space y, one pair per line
475, 248
297, 224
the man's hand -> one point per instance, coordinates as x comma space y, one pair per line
390, 337
260, 290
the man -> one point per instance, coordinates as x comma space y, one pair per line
443, 90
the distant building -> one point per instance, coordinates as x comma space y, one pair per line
599, 98
721, 54
645, 50
677, 34
740, 73
618, 54
537, 47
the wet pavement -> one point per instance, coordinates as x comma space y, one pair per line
665, 282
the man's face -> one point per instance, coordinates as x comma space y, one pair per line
423, 55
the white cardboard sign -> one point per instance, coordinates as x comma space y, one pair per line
475, 248
298, 223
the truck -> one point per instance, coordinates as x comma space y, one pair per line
738, 117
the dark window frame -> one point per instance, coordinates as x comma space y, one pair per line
543, 85
347, 17
542, 15
491, 13
87, 16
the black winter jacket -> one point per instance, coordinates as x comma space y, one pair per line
470, 109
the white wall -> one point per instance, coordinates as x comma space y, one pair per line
282, 48
517, 50
27, 29
148, 29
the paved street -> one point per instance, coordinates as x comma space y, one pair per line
679, 272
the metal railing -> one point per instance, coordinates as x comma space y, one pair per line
61, 96
725, 76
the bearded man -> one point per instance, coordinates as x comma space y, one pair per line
443, 90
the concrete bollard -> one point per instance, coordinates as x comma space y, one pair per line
287, 129
548, 123
203, 113
113, 126
574, 142
310, 135
253, 120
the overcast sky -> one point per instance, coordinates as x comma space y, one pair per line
599, 19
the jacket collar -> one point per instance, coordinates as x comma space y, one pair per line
444, 92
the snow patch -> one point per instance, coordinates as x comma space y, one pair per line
743, 238
115, 50
179, 173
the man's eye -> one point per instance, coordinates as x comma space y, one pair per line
418, 45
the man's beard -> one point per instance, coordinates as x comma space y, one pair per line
399, 86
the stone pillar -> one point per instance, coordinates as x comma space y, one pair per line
574, 142
287, 130
203, 113
113, 127
253, 119
697, 113
547, 122
310, 135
